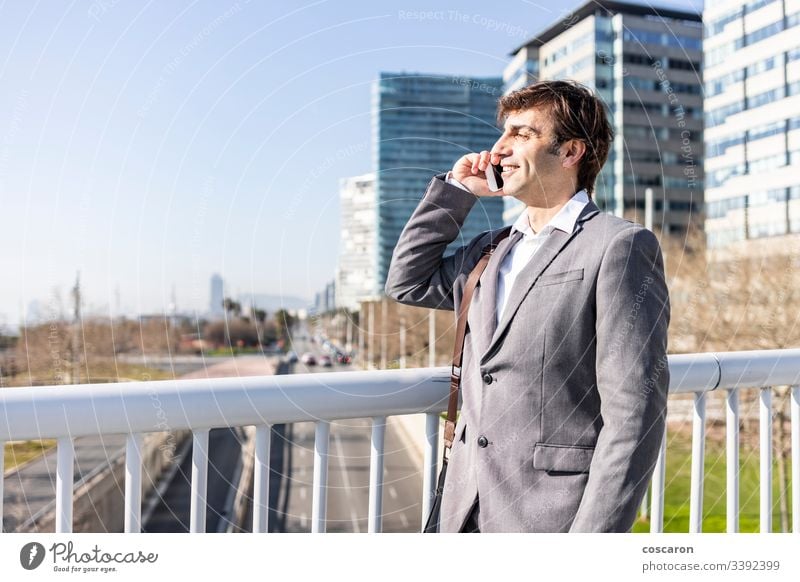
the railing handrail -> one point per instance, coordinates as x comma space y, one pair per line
67, 412
159, 405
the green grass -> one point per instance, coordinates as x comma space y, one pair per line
676, 496
18, 453
100, 371
229, 352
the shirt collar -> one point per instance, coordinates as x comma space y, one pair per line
564, 220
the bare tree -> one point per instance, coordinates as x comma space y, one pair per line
739, 300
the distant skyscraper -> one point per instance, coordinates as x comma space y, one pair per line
645, 64
356, 272
329, 297
752, 81
217, 295
422, 124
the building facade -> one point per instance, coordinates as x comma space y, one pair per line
645, 64
422, 124
217, 296
356, 273
752, 137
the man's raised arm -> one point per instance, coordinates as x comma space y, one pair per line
419, 273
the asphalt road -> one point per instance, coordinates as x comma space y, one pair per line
31, 490
171, 511
167, 509
292, 465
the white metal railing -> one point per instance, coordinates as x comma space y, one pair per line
68, 412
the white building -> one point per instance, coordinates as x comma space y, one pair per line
752, 137
356, 274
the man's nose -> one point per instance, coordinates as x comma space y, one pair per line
500, 148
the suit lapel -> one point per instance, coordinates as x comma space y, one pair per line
550, 249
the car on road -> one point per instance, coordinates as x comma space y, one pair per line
326, 361
291, 356
309, 359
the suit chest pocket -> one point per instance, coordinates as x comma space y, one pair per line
572, 276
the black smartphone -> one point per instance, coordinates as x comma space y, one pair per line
494, 175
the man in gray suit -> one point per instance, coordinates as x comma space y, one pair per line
564, 378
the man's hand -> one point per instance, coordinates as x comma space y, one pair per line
471, 170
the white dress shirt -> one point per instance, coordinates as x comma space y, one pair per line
521, 253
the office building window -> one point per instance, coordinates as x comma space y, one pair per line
718, 116
764, 65
720, 208
664, 39
718, 85
766, 130
764, 98
765, 197
764, 32
718, 147
716, 26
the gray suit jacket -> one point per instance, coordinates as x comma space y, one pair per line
564, 400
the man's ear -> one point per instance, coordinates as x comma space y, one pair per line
572, 152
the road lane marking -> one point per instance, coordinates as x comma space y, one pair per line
340, 455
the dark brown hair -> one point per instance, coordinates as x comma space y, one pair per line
576, 113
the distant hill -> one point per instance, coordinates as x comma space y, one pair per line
272, 303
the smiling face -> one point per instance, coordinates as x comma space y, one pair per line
536, 171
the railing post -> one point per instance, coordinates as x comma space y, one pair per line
431, 462
384, 332
2, 471
659, 474
319, 495
698, 463
197, 512
432, 338
765, 458
644, 505
732, 459
65, 474
796, 459
261, 479
133, 483
376, 475
371, 337
402, 343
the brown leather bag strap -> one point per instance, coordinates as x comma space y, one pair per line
461, 332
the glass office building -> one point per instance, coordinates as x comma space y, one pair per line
752, 137
645, 64
422, 124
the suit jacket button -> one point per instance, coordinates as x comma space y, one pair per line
488, 378
483, 442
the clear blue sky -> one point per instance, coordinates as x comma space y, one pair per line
150, 144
